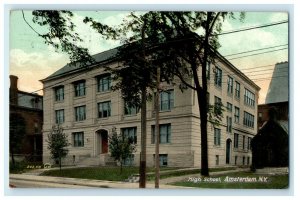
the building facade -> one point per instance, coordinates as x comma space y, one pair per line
29, 107
81, 101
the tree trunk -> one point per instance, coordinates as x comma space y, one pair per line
201, 96
203, 128
60, 163
13, 159
121, 170
202, 100
142, 183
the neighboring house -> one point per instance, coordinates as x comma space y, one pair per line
29, 107
277, 97
270, 147
82, 102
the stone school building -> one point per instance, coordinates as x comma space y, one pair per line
82, 102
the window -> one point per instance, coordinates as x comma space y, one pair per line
236, 140
104, 109
243, 160
36, 128
130, 110
217, 160
59, 93
235, 160
218, 77
208, 70
79, 87
249, 143
218, 105
217, 136
230, 85
237, 89
164, 133
244, 140
163, 160
129, 160
166, 100
229, 124
248, 160
59, 116
130, 133
104, 83
78, 139
249, 98
260, 116
236, 115
80, 114
229, 107
248, 119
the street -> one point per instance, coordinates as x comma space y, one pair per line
39, 184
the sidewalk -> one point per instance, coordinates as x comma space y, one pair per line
33, 175
186, 177
86, 182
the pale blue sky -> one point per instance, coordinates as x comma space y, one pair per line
32, 60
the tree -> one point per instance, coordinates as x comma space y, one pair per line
120, 147
180, 43
57, 144
180, 51
17, 127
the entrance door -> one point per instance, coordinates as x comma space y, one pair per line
104, 142
228, 148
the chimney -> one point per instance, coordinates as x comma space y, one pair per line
13, 90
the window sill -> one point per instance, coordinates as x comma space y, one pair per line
132, 115
217, 146
162, 111
79, 122
103, 92
103, 118
80, 97
153, 144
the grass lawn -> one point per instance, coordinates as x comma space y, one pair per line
272, 181
98, 173
164, 175
113, 173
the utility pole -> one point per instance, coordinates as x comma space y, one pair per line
142, 181
157, 128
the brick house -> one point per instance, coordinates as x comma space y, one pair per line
81, 101
29, 107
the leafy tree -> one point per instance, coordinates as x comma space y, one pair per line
120, 147
180, 43
183, 43
17, 127
57, 144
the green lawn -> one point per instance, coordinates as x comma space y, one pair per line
272, 181
98, 173
113, 173
164, 175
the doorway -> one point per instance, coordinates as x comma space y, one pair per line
228, 151
102, 142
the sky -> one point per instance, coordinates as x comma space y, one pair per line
32, 60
